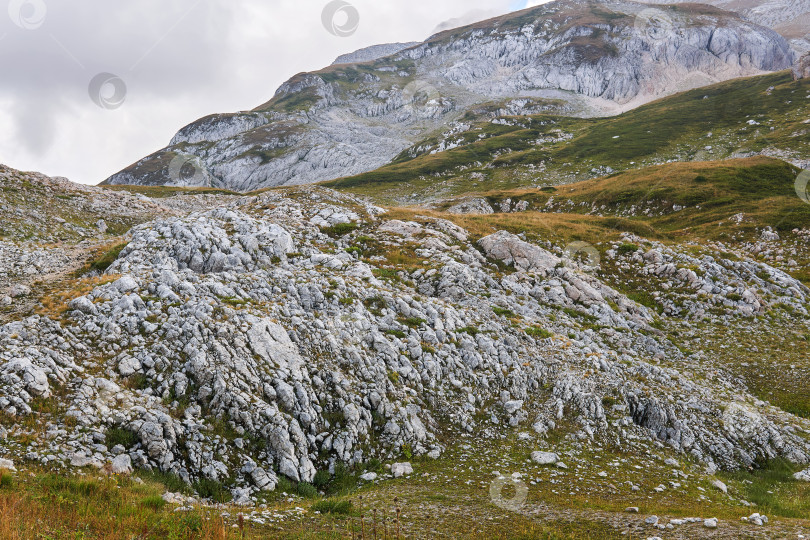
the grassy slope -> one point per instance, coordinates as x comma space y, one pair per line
442, 500
679, 127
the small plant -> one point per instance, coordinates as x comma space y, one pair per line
503, 312
386, 273
136, 381
375, 305
537, 332
340, 229
306, 490
6, 480
413, 322
105, 260
154, 502
321, 479
329, 506
396, 333
118, 435
343, 481
472, 330
171, 482
627, 248
608, 402
285, 485
212, 489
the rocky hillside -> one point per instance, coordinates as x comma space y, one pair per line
791, 18
252, 341
571, 57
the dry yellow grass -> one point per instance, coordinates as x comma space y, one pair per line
55, 302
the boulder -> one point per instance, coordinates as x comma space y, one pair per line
511, 250
122, 464
545, 458
399, 470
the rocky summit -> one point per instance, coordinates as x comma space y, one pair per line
572, 57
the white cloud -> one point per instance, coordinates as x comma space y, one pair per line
180, 60
532, 3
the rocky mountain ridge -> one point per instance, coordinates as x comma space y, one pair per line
570, 57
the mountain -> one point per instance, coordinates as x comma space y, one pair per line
374, 52
791, 18
572, 57
763, 115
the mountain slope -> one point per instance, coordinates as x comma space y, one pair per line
791, 18
246, 344
575, 57
766, 115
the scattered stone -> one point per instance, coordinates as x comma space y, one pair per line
720, 485
545, 458
401, 469
804, 475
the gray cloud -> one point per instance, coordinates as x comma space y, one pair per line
179, 60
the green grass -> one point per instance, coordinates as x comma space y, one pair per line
675, 127
212, 489
329, 506
103, 262
118, 435
503, 312
170, 482
340, 229
540, 333
774, 490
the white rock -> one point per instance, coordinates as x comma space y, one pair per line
720, 485
710, 523
122, 464
804, 475
401, 469
545, 458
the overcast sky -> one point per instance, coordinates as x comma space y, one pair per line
87, 87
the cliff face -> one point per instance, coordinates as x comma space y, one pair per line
570, 57
791, 18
